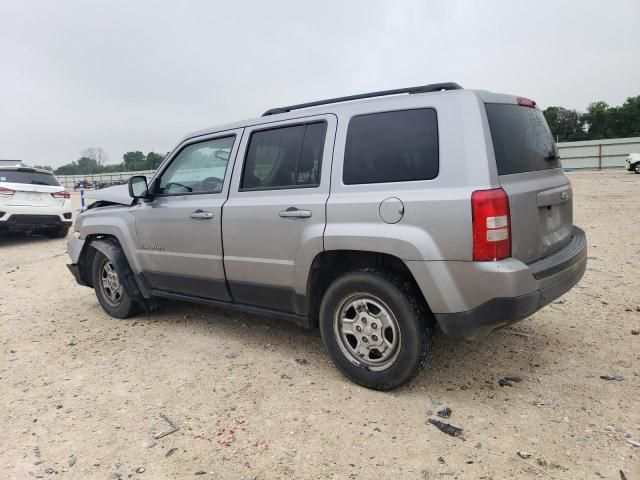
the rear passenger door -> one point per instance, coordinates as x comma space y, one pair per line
274, 218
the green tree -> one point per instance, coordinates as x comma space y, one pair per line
134, 161
153, 161
68, 169
597, 120
565, 124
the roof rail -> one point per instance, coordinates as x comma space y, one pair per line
434, 87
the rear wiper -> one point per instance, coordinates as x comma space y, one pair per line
552, 156
37, 182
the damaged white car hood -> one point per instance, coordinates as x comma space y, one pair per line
116, 194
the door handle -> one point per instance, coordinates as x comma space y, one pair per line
293, 212
201, 215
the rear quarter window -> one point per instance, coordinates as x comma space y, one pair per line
30, 177
522, 141
397, 146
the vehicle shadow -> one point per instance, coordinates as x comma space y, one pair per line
17, 239
454, 365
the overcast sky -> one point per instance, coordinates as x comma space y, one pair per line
138, 75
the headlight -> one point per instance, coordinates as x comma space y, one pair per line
76, 235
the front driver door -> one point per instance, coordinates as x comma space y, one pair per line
179, 237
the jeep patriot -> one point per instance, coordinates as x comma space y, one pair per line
374, 217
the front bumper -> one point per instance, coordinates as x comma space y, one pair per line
552, 276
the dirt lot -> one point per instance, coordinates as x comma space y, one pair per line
82, 393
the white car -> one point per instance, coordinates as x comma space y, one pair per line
633, 162
33, 200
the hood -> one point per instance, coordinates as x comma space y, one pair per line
116, 194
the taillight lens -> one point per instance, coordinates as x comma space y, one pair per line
491, 225
63, 194
6, 192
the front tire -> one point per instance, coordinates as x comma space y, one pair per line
109, 288
376, 328
636, 167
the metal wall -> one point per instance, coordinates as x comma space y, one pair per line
597, 154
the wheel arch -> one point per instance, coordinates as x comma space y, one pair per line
330, 264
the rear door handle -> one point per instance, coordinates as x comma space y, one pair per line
293, 212
201, 215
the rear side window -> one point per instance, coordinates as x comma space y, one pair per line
392, 147
30, 177
284, 157
522, 141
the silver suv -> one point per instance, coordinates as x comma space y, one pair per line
373, 217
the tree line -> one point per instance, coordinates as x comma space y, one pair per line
600, 121
94, 160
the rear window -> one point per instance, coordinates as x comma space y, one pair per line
28, 176
392, 147
521, 138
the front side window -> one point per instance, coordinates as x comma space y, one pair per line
284, 157
396, 146
198, 168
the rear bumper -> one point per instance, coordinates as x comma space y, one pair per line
552, 276
26, 217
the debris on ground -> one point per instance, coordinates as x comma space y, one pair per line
635, 331
523, 454
634, 443
504, 383
513, 379
446, 428
140, 470
174, 427
72, 460
623, 476
441, 460
617, 378
444, 413
302, 361
170, 452
200, 472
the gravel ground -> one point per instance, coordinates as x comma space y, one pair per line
83, 394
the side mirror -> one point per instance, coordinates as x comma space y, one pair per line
138, 187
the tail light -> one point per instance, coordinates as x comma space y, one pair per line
6, 192
491, 225
63, 194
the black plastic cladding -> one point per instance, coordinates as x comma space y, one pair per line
433, 87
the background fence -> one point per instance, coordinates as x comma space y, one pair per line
597, 154
592, 154
104, 179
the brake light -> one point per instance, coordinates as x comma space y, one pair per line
491, 225
6, 192
526, 102
63, 194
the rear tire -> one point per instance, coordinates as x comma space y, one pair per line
110, 290
376, 327
60, 232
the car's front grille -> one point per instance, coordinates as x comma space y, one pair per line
33, 219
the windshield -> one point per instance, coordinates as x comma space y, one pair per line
31, 177
521, 138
